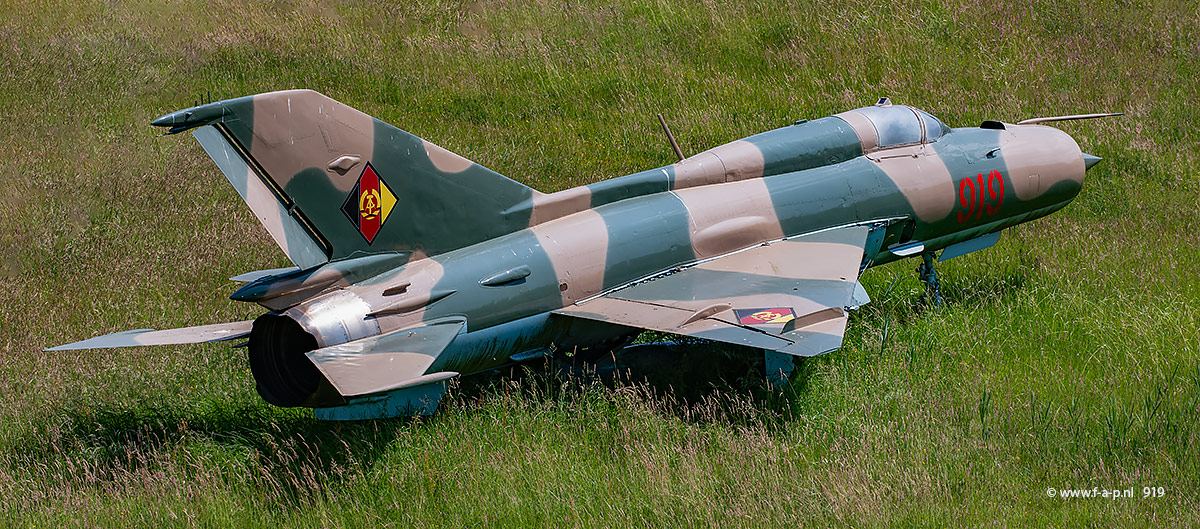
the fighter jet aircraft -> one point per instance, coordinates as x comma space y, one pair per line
415, 265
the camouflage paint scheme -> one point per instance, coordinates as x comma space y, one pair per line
457, 269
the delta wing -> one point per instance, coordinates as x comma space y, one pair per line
787, 296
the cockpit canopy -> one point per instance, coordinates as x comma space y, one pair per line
902, 125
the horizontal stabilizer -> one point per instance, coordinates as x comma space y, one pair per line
218, 332
385, 362
859, 298
817, 333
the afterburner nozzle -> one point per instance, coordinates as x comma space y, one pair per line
1089, 161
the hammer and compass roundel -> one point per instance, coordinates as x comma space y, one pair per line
764, 316
369, 203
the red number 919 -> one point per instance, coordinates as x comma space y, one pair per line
973, 200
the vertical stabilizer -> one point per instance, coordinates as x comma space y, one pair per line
328, 181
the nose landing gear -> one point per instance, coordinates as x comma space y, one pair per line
933, 289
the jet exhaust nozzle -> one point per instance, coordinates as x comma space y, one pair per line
284, 376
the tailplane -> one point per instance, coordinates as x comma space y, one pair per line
328, 181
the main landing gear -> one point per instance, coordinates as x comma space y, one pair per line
778, 367
933, 289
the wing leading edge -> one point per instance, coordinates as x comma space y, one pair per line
789, 296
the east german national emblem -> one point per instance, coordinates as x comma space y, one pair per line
760, 316
369, 203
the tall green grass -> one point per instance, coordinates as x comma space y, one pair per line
1066, 356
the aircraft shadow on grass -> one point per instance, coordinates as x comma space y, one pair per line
696, 380
298, 454
293, 455
684, 374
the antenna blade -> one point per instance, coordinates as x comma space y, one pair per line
670, 137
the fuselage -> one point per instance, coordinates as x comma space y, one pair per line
901, 172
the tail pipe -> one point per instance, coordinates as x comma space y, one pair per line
284, 376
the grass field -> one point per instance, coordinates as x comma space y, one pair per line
1068, 356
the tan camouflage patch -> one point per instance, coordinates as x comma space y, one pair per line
729, 217
444, 160
868, 137
731, 162
1039, 157
560, 204
421, 274
921, 177
742, 160
578, 249
699, 170
298, 129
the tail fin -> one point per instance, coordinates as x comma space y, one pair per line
328, 181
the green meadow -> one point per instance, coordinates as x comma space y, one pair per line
1066, 357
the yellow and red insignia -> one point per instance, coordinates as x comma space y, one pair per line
764, 316
369, 203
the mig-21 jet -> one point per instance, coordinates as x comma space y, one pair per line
414, 265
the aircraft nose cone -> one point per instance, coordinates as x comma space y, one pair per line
1044, 163
1089, 161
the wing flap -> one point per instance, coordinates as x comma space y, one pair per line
818, 337
672, 320
204, 333
385, 362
